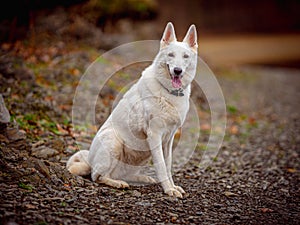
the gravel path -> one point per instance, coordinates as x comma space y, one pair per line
253, 180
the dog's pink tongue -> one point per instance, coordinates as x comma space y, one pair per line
176, 82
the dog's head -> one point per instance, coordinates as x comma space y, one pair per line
177, 61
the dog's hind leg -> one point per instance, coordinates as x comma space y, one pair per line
104, 160
141, 179
113, 183
78, 164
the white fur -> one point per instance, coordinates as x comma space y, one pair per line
144, 122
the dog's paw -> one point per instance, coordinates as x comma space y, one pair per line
180, 189
174, 193
121, 184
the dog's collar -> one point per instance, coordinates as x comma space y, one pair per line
176, 92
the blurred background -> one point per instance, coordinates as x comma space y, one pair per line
253, 48
231, 32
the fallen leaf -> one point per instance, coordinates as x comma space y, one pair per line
6, 46
67, 187
252, 121
60, 129
266, 210
65, 107
291, 170
75, 72
49, 98
234, 129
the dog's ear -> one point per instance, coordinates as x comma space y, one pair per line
191, 38
168, 36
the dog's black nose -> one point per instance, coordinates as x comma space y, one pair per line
177, 70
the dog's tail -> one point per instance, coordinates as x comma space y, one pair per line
78, 163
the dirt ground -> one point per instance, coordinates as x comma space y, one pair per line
254, 179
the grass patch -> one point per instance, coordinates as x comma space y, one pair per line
232, 109
27, 187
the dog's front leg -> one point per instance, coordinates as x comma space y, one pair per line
168, 151
155, 144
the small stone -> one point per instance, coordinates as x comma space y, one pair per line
4, 114
44, 152
229, 194
37, 144
216, 205
42, 168
57, 144
136, 193
199, 213
15, 134
173, 214
30, 206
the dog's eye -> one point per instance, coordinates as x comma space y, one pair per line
186, 56
171, 54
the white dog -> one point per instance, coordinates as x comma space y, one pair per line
144, 122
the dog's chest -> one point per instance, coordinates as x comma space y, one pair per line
167, 110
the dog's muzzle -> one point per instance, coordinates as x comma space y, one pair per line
176, 76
